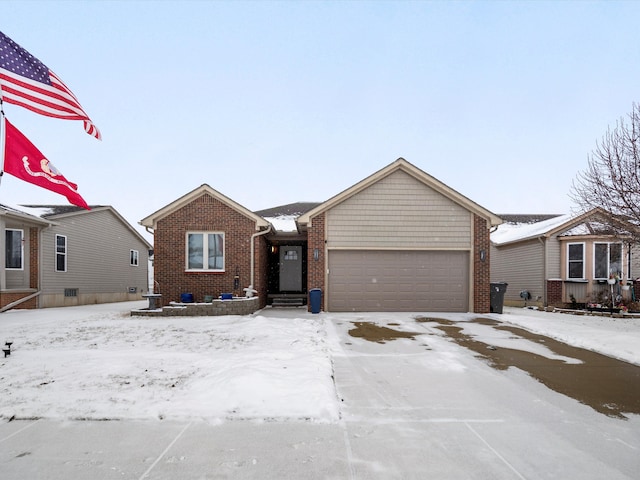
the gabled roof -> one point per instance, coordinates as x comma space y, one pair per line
402, 165
58, 212
152, 220
595, 222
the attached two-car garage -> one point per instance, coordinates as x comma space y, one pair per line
388, 280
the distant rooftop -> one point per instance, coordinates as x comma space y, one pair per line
518, 218
291, 209
45, 211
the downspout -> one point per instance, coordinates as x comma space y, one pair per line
253, 248
544, 270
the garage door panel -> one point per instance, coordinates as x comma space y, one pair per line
398, 281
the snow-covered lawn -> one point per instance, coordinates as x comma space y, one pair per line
97, 362
79, 363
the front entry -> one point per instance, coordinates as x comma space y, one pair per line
290, 268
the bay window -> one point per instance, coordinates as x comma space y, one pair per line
607, 260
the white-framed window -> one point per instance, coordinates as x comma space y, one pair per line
205, 251
575, 260
61, 253
14, 249
607, 260
133, 258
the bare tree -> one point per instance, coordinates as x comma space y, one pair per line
612, 178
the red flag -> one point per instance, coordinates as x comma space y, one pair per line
23, 160
27, 82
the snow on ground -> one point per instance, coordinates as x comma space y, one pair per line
97, 362
76, 363
616, 337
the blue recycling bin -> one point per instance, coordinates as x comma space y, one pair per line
186, 297
315, 299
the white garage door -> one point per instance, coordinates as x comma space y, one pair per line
402, 281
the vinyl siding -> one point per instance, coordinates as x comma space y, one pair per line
635, 263
554, 258
521, 266
399, 212
98, 261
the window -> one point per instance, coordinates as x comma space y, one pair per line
70, 292
575, 260
61, 253
607, 260
205, 251
14, 249
133, 258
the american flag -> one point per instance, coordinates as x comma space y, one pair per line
26, 81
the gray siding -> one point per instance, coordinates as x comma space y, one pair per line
399, 212
521, 266
635, 263
98, 260
554, 265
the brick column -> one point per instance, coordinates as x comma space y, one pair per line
554, 293
316, 268
481, 268
34, 258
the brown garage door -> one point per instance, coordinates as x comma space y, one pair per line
401, 281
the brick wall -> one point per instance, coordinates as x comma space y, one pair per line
554, 293
316, 268
481, 269
34, 258
206, 214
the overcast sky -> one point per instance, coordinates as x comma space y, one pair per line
276, 102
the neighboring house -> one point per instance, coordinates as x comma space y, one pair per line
399, 240
556, 260
64, 255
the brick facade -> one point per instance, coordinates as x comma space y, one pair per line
207, 214
34, 258
554, 293
481, 267
8, 297
316, 268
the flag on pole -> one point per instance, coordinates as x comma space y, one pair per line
24, 161
27, 82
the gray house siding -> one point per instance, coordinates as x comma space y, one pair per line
635, 264
554, 264
98, 261
399, 212
522, 267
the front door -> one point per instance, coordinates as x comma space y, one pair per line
290, 268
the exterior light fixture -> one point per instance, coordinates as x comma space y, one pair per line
316, 254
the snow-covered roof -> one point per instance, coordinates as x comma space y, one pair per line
512, 232
593, 222
283, 223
